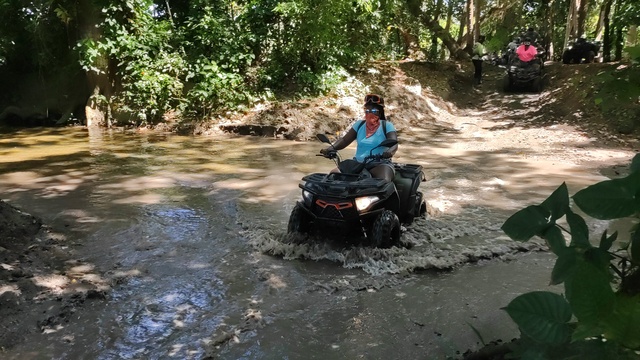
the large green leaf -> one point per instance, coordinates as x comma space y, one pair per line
635, 163
542, 315
606, 242
555, 239
564, 266
558, 202
635, 247
579, 230
623, 325
526, 223
589, 292
599, 258
611, 199
584, 331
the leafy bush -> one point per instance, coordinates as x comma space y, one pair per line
619, 97
148, 69
634, 53
602, 284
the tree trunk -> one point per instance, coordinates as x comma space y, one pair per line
463, 25
411, 44
471, 24
447, 25
550, 34
571, 14
583, 8
606, 21
600, 25
476, 25
547, 27
619, 41
447, 40
434, 38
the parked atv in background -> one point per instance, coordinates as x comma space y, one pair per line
580, 51
354, 203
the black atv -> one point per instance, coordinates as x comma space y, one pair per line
580, 51
524, 75
353, 202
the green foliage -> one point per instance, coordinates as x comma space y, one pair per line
634, 53
542, 316
216, 55
617, 95
148, 68
207, 56
606, 305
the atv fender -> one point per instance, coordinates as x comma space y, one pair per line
407, 180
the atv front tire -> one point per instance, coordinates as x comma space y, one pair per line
537, 84
299, 221
385, 231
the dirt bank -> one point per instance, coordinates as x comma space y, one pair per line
418, 92
41, 285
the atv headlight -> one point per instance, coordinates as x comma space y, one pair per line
307, 197
363, 203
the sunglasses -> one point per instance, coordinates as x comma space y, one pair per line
372, 111
373, 98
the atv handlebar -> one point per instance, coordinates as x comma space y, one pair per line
329, 155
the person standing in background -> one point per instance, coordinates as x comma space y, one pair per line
478, 52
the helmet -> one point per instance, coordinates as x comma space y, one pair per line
374, 99
527, 40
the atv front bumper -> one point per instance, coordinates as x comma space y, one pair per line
339, 214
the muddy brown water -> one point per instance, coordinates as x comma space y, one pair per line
188, 235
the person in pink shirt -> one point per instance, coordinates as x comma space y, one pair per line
526, 53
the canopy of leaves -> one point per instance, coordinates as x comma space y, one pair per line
205, 56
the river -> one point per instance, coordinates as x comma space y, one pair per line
189, 236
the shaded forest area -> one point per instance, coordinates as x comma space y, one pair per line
141, 62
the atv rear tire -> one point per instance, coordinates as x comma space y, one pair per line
506, 83
385, 231
299, 221
421, 205
590, 57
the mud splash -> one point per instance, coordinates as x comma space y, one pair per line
441, 243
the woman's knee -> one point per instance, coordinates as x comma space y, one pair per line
383, 172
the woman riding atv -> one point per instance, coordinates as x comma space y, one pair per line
527, 53
369, 133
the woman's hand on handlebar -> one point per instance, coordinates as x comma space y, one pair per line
387, 155
328, 152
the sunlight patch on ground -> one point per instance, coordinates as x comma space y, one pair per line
146, 199
10, 289
415, 89
55, 283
